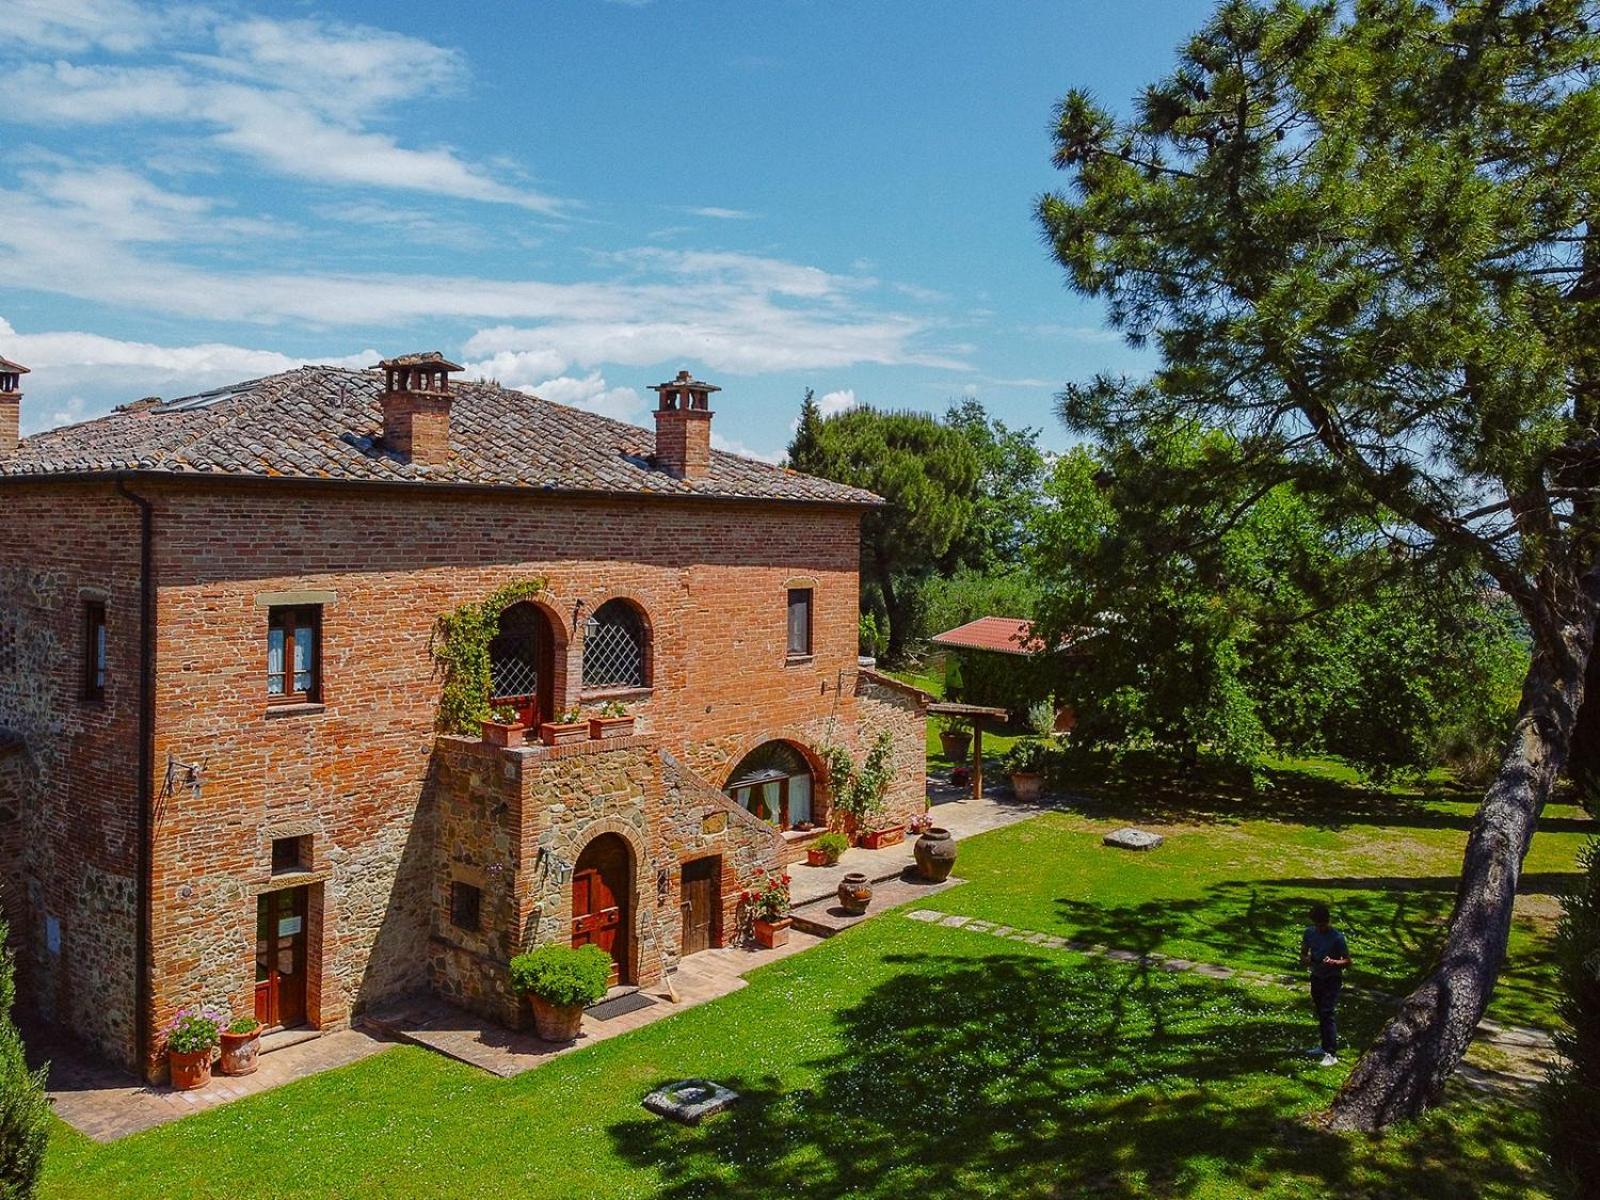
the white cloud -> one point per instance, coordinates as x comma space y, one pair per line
76, 375
66, 26
722, 214
735, 446
837, 402
591, 392
296, 96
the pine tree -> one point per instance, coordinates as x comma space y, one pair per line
805, 450
24, 1109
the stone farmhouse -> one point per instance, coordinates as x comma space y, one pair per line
224, 775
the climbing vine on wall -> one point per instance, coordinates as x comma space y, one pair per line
460, 649
858, 790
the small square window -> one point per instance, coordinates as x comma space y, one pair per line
294, 654
466, 906
799, 622
291, 854
94, 649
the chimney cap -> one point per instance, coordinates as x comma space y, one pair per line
685, 380
12, 368
427, 358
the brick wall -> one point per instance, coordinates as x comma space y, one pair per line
352, 772
68, 782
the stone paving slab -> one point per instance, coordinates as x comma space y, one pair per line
827, 916
106, 1104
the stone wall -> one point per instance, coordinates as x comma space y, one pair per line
515, 822
68, 766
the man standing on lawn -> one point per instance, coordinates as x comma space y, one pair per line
1324, 950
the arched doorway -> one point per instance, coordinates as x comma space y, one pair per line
601, 916
522, 658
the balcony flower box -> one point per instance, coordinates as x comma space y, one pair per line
563, 733
604, 728
506, 735
877, 839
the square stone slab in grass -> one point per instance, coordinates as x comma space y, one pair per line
1133, 839
690, 1100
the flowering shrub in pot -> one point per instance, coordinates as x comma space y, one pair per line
613, 721
768, 898
567, 727
504, 727
192, 1037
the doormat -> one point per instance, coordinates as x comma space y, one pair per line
607, 1009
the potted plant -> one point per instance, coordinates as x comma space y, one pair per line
568, 727
827, 849
1026, 763
241, 1044
884, 835
769, 907
955, 737
919, 824
192, 1037
560, 982
503, 728
612, 722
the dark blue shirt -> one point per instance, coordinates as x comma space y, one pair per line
1320, 944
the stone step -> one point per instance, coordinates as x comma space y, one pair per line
282, 1039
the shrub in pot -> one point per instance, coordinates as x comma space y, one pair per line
560, 982
192, 1037
955, 738
241, 1044
768, 898
828, 849
1026, 763
504, 727
613, 721
568, 727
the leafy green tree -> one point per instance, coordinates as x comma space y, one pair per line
1362, 240
1011, 470
24, 1108
926, 473
1571, 1099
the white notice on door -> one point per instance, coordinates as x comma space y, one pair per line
289, 926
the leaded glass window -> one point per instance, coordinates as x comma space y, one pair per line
615, 647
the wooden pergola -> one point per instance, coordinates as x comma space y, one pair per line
977, 714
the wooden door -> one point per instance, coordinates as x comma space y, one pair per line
600, 901
701, 880
281, 958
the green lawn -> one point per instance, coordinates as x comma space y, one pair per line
902, 1059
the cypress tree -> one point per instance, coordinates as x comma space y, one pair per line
24, 1109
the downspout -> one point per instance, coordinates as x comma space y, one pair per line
147, 735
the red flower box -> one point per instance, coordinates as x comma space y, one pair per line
877, 839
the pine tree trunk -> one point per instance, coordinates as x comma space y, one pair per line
1405, 1070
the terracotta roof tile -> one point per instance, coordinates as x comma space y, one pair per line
325, 423
1004, 635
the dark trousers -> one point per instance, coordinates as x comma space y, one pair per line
1324, 999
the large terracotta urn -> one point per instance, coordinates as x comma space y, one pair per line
936, 854
240, 1052
855, 893
556, 1022
190, 1069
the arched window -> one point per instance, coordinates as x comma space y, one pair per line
521, 662
615, 649
773, 781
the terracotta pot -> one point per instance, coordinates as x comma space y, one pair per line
507, 736
239, 1052
190, 1069
556, 1022
877, 839
817, 858
936, 855
772, 933
552, 734
855, 893
955, 745
1027, 785
601, 728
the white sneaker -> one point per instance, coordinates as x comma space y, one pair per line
1328, 1060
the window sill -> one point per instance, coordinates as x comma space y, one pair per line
616, 693
799, 660
294, 710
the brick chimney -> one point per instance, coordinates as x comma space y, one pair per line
10, 405
683, 426
416, 406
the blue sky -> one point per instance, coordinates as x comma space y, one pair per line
577, 197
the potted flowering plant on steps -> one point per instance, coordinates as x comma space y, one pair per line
241, 1044
769, 907
504, 727
560, 982
612, 722
567, 728
192, 1037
